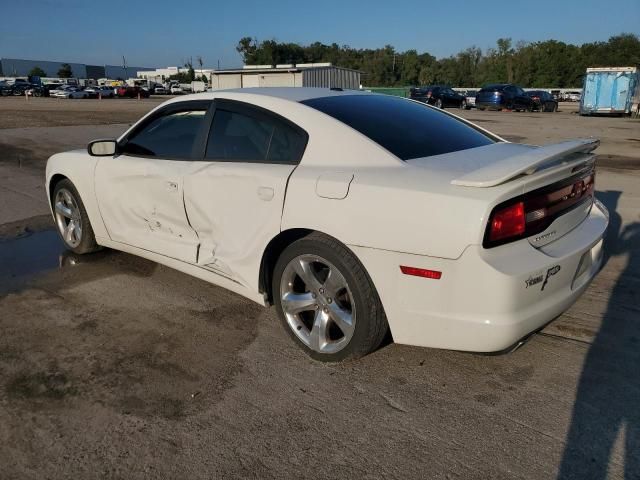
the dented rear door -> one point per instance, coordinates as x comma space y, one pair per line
235, 196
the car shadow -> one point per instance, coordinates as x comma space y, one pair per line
607, 404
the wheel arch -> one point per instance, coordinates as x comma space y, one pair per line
270, 256
53, 181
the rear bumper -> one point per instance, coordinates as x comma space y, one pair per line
490, 105
487, 299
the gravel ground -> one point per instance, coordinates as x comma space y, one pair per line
115, 367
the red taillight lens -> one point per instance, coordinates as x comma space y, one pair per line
508, 222
421, 272
534, 211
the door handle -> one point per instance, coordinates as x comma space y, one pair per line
265, 193
172, 186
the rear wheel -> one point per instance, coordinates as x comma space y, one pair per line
438, 103
72, 220
326, 301
463, 105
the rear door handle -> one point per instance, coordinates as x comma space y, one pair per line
265, 193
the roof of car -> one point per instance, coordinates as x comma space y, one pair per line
295, 94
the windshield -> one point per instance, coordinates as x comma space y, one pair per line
406, 128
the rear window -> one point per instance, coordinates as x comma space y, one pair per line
493, 88
407, 129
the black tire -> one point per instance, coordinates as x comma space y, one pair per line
88, 240
370, 321
439, 103
463, 105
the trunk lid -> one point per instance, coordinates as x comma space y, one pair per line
554, 182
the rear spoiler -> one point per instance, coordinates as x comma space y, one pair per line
524, 163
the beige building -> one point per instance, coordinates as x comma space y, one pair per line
300, 75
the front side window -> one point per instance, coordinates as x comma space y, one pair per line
405, 128
242, 135
168, 136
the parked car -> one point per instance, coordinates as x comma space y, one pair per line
132, 92
176, 90
59, 88
543, 101
5, 89
298, 197
159, 90
470, 98
20, 88
35, 91
70, 92
439, 96
572, 96
100, 91
503, 96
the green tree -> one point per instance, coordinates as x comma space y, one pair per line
549, 63
65, 71
37, 72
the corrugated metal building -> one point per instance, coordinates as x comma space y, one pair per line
16, 67
301, 75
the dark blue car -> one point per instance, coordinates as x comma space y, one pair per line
503, 96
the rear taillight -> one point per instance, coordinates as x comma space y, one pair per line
533, 212
428, 94
507, 222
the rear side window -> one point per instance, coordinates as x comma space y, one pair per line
247, 135
405, 128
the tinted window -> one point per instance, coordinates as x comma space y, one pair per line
493, 88
168, 136
245, 136
407, 129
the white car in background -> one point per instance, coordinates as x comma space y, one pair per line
69, 92
176, 90
100, 91
470, 97
354, 213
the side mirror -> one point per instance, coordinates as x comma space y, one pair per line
102, 148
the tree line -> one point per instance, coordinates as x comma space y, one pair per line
549, 63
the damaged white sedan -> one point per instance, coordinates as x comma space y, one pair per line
353, 213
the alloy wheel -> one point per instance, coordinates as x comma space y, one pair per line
68, 217
317, 303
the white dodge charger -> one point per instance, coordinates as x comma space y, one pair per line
353, 213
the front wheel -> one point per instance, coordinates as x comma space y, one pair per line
463, 105
438, 103
326, 300
72, 220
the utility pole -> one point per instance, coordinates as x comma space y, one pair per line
124, 68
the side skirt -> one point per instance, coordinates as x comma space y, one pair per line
189, 269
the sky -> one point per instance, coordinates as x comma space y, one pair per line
160, 33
